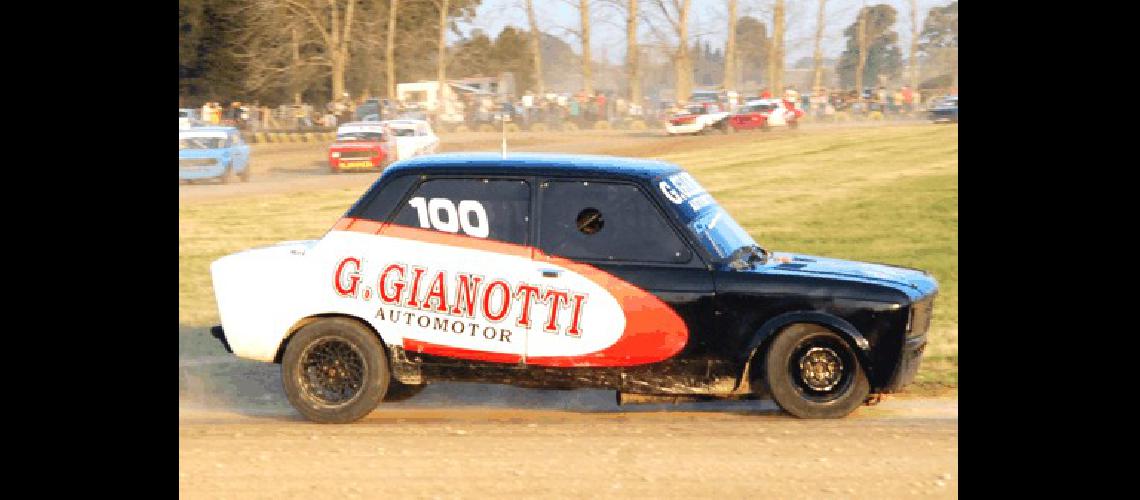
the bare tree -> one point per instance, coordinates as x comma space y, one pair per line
587, 73
633, 72
535, 47
776, 54
913, 44
730, 49
390, 54
817, 56
676, 13
441, 54
861, 38
288, 38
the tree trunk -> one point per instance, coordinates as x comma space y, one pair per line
390, 57
684, 67
587, 73
776, 50
913, 44
296, 84
633, 72
730, 49
861, 34
535, 47
817, 57
441, 59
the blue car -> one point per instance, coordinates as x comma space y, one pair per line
945, 111
212, 153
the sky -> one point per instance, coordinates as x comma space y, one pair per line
706, 22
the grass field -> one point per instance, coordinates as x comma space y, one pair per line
880, 194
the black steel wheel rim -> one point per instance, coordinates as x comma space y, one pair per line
821, 368
332, 372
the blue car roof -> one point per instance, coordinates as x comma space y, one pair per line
536, 164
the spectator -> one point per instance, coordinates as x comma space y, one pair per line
602, 110
907, 99
792, 96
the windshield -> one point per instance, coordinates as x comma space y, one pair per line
714, 227
200, 142
761, 108
403, 132
359, 137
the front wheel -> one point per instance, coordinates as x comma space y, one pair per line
812, 372
335, 371
244, 175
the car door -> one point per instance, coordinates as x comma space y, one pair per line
776, 115
241, 152
461, 246
617, 236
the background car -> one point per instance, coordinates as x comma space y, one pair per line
360, 146
776, 112
212, 153
411, 138
946, 110
697, 119
187, 117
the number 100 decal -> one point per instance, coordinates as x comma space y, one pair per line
453, 218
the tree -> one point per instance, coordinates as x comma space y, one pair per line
390, 58
205, 68
633, 71
535, 47
817, 55
676, 14
752, 48
881, 52
776, 50
938, 41
587, 74
730, 49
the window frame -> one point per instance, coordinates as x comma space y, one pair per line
696, 258
425, 178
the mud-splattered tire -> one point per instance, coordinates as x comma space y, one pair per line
228, 175
244, 175
335, 371
399, 392
812, 372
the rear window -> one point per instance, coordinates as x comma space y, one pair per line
360, 137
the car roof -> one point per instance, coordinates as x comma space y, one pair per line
534, 164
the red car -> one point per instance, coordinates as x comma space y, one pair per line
766, 113
360, 146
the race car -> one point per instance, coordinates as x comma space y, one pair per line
212, 153
945, 110
374, 145
697, 119
564, 271
766, 113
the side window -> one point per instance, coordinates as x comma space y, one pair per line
383, 203
606, 221
496, 209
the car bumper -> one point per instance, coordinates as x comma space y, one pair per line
369, 164
201, 172
908, 365
690, 128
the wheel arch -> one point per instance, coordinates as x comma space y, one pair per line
771, 328
301, 323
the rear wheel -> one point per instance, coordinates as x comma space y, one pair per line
335, 371
812, 372
228, 175
244, 175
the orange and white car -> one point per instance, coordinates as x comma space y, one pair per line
374, 145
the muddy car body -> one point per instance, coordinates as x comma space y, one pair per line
559, 271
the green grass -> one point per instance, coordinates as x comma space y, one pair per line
880, 194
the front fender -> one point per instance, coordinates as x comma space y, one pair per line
768, 330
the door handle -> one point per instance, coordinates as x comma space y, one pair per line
551, 273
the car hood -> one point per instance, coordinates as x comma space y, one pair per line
356, 145
913, 282
201, 153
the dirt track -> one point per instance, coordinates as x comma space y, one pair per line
473, 440
238, 437
283, 168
